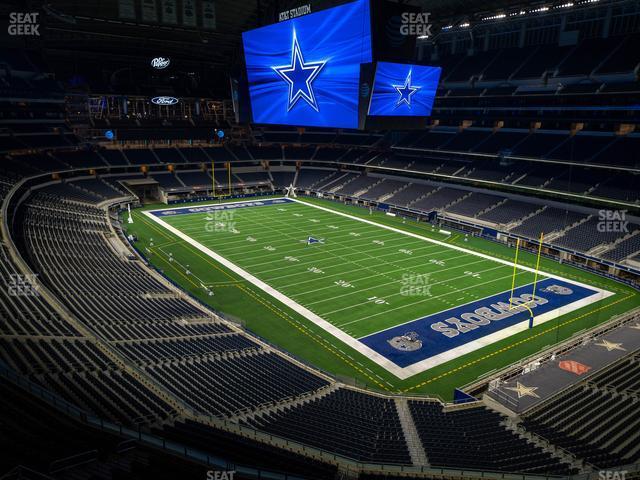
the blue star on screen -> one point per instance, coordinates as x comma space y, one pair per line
306, 71
300, 75
406, 91
403, 90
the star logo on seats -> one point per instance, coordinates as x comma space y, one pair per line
300, 76
610, 346
406, 91
524, 391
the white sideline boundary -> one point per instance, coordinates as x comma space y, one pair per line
400, 372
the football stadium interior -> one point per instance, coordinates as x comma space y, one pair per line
320, 239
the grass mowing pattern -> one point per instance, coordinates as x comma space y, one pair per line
356, 278
280, 325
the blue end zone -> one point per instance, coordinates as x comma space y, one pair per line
455, 327
219, 207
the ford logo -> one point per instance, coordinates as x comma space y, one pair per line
164, 100
160, 62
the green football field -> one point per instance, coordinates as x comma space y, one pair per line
280, 267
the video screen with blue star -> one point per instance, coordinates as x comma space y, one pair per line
403, 90
305, 71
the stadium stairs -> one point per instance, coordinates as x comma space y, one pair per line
414, 444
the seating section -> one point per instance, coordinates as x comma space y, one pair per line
141, 156
474, 439
594, 420
254, 177
28, 313
167, 180
358, 184
241, 449
157, 350
474, 204
353, 424
195, 179
383, 189
410, 194
52, 352
308, 178
168, 155
592, 233
282, 179
218, 385
98, 187
548, 221
439, 199
142, 316
624, 249
509, 211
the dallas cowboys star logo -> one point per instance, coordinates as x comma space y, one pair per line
406, 91
299, 75
610, 346
524, 391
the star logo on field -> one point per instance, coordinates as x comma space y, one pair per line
524, 391
406, 91
300, 75
610, 346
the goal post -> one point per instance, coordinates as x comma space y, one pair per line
535, 278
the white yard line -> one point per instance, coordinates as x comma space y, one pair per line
339, 255
381, 285
421, 301
426, 299
305, 312
327, 267
385, 274
406, 372
438, 242
288, 242
312, 263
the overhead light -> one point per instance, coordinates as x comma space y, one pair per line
495, 17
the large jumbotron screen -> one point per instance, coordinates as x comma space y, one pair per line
305, 71
403, 90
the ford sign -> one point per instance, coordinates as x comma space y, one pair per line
160, 62
164, 100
